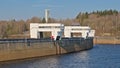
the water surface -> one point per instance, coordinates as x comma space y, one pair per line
101, 56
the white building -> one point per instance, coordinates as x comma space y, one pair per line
78, 31
36, 29
58, 29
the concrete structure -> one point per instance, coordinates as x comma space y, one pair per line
46, 15
12, 49
83, 31
58, 29
37, 29
20, 49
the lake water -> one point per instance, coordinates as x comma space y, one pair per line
101, 56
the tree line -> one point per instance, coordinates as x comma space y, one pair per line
21, 28
106, 23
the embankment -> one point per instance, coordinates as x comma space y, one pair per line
106, 40
21, 49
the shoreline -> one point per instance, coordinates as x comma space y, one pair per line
106, 40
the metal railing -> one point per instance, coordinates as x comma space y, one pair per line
20, 44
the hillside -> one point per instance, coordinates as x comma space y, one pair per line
106, 23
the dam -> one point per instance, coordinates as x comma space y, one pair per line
64, 41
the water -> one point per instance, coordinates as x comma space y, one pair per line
101, 56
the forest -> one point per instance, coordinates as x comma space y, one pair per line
105, 23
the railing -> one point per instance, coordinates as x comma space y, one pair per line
21, 44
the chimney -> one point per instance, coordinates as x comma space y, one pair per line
46, 15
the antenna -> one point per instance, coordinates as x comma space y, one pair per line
46, 15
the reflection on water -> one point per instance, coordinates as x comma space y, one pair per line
101, 56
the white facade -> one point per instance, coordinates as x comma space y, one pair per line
84, 30
57, 29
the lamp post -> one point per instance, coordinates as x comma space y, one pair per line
25, 38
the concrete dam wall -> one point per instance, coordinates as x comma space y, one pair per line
28, 48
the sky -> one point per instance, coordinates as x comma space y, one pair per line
59, 9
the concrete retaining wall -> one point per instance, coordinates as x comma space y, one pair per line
106, 40
21, 50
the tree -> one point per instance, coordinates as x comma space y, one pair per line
43, 20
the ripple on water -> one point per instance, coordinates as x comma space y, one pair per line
101, 56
